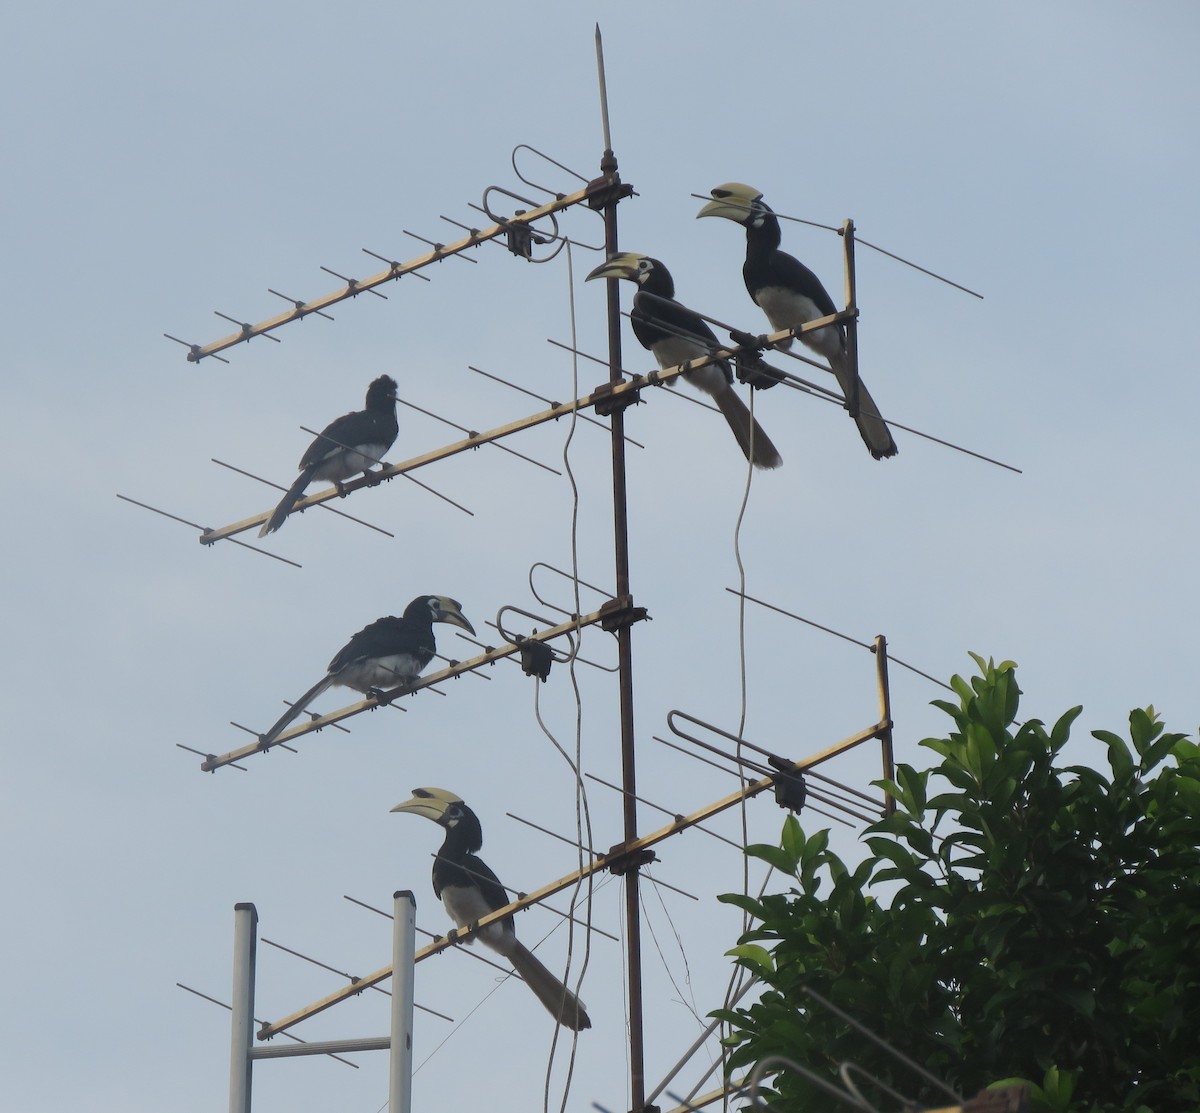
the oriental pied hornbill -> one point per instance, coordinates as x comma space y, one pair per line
387, 654
346, 446
675, 334
469, 890
791, 295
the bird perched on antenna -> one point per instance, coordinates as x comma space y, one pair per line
346, 446
389, 653
675, 334
469, 890
791, 295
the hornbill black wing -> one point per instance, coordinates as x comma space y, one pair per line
386, 638
780, 270
350, 444
386, 654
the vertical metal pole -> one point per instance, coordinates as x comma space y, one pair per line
245, 944
404, 945
885, 716
851, 303
633, 929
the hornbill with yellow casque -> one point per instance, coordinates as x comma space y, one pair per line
675, 334
347, 445
386, 654
469, 890
791, 295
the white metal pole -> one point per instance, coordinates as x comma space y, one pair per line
404, 946
245, 941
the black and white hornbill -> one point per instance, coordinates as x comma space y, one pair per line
469, 890
388, 653
791, 295
675, 334
346, 446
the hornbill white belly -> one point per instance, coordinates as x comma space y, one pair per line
791, 295
388, 653
469, 890
675, 334
350, 444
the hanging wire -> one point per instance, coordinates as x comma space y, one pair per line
690, 1005
583, 821
743, 818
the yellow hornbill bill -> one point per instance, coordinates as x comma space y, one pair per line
791, 295
469, 890
347, 445
675, 334
387, 654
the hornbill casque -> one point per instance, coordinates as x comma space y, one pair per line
791, 295
675, 334
388, 653
469, 890
349, 444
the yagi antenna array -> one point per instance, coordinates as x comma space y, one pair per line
518, 231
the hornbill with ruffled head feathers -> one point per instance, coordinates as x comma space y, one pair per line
791, 295
675, 334
352, 443
388, 653
469, 890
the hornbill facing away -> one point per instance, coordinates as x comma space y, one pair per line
791, 295
346, 446
390, 652
675, 334
469, 891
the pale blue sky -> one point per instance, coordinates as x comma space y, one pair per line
164, 162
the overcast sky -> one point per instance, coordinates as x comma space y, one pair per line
163, 162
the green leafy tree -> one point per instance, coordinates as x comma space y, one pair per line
1013, 919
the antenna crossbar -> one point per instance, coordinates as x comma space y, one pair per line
604, 861
456, 668
354, 287
603, 396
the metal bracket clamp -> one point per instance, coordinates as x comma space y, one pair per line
519, 238
605, 190
790, 789
748, 364
606, 405
618, 613
618, 861
536, 658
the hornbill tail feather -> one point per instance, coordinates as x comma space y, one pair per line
871, 426
762, 453
294, 494
560, 1002
296, 709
